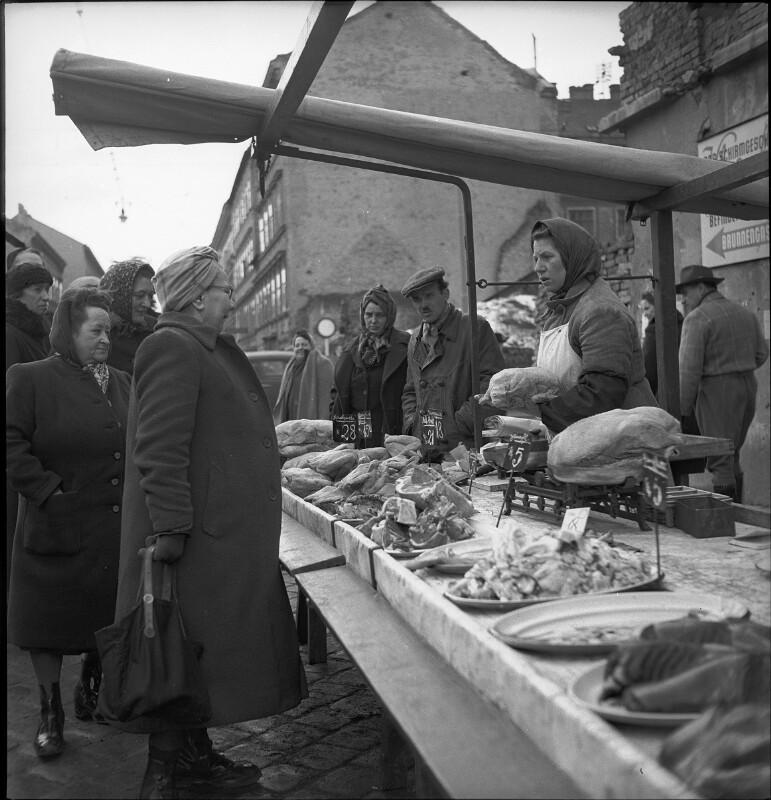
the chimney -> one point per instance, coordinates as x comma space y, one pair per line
615, 92
585, 92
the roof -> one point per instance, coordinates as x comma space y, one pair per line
120, 104
76, 257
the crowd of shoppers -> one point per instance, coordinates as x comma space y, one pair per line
128, 429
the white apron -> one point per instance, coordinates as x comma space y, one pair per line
556, 355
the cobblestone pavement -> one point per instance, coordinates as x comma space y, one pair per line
327, 747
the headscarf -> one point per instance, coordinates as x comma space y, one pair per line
119, 282
62, 330
371, 349
580, 255
184, 275
290, 380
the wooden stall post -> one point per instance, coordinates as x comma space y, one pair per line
666, 312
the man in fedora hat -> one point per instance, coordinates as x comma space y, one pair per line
722, 345
437, 404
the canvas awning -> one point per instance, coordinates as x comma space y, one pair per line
121, 104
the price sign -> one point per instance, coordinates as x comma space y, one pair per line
364, 424
519, 450
344, 428
655, 479
431, 428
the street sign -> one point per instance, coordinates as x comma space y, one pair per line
326, 327
725, 240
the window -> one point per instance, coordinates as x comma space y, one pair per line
623, 228
269, 221
243, 262
585, 217
270, 298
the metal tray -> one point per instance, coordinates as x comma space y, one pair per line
511, 605
551, 628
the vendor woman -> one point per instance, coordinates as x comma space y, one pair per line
588, 340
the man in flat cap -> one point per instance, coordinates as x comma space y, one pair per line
722, 345
437, 402
203, 483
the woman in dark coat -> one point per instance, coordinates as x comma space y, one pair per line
203, 476
371, 372
133, 319
27, 293
589, 339
65, 435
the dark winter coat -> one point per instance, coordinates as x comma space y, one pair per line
62, 431
205, 460
26, 334
26, 339
444, 384
125, 339
356, 392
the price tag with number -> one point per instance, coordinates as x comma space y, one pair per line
655, 479
431, 428
364, 424
344, 428
519, 450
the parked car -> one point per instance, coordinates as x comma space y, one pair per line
269, 366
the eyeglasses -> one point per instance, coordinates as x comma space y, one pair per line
227, 289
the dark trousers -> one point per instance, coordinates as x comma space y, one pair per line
725, 408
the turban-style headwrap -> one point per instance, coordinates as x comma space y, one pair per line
184, 275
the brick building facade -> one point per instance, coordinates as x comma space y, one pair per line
323, 234
695, 76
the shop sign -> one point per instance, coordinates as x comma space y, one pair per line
726, 240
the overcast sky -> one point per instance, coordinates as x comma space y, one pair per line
173, 194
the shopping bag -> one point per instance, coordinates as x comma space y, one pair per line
150, 669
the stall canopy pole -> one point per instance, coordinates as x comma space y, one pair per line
666, 313
294, 152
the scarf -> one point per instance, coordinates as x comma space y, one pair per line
20, 317
428, 347
581, 259
100, 373
372, 349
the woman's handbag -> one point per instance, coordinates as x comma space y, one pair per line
150, 668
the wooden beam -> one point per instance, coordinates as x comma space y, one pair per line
667, 363
738, 174
318, 34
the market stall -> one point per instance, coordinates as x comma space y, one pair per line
118, 104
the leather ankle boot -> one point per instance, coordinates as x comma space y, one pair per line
49, 739
87, 688
158, 782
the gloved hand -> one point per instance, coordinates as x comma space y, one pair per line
169, 547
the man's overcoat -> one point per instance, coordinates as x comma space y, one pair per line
205, 459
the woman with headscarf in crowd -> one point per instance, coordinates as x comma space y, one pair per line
27, 295
372, 370
307, 383
589, 339
65, 439
133, 319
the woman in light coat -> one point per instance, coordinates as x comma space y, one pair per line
306, 386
